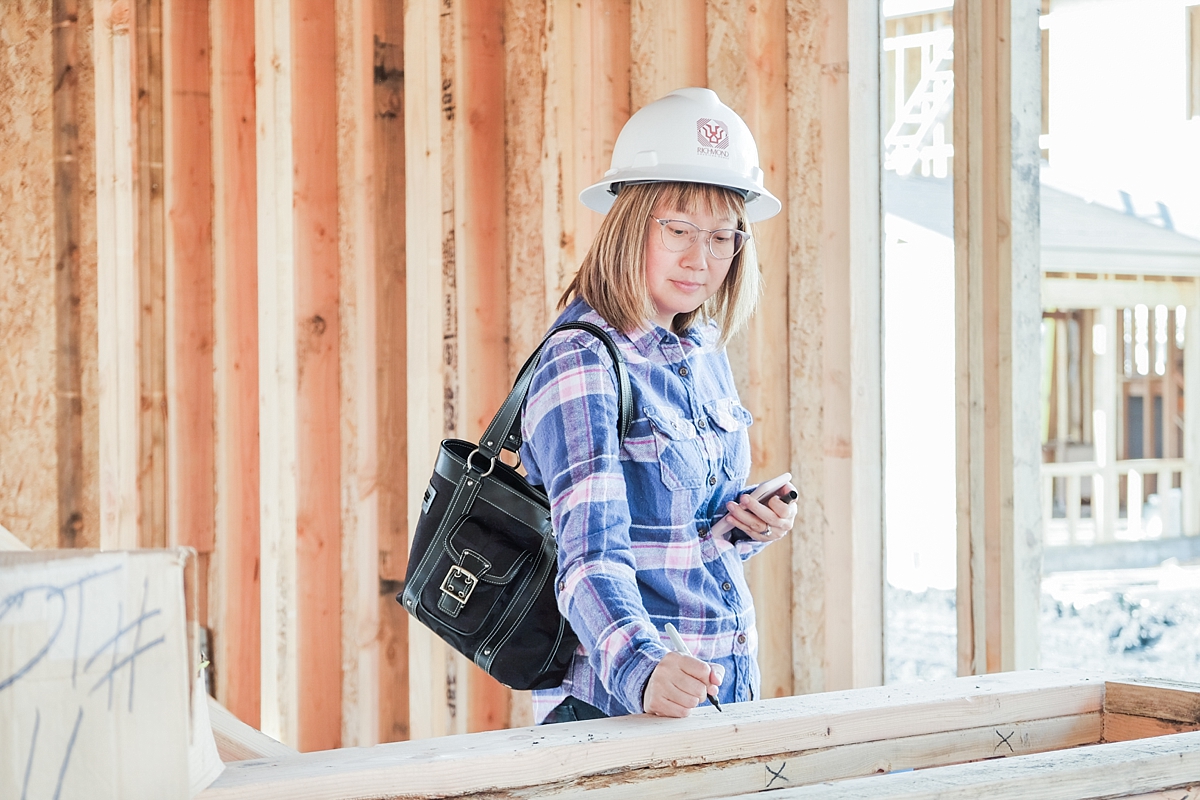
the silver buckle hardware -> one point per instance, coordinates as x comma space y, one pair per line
459, 583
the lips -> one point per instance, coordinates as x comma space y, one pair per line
686, 286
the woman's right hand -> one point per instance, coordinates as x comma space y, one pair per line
680, 683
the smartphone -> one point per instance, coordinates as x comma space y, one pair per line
761, 493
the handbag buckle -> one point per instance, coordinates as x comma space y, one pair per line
459, 583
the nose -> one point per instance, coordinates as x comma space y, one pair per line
696, 253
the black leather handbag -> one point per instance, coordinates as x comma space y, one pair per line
483, 561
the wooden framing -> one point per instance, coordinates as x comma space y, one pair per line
834, 341
234, 608
998, 312
1000, 721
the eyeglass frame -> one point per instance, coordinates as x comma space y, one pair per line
662, 227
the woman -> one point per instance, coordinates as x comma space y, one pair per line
670, 276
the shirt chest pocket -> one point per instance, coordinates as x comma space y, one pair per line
730, 421
680, 458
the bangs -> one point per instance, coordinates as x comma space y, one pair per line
703, 198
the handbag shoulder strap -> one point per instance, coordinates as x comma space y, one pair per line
504, 432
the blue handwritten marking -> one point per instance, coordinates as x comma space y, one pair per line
137, 640
117, 666
17, 599
121, 631
62, 772
37, 723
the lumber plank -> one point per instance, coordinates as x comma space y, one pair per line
741, 33
151, 278
1175, 701
118, 304
277, 372
1127, 727
391, 346
998, 313
235, 601
1181, 793
431, 667
759, 730
806, 300
315, 336
480, 250
359, 416
68, 233
188, 274
237, 741
1104, 771
833, 763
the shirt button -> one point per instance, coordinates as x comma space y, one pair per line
703, 531
712, 481
726, 586
683, 371
699, 423
741, 638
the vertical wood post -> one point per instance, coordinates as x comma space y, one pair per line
391, 347
119, 308
667, 43
187, 191
998, 311
235, 601
1106, 492
742, 33
834, 220
1191, 416
358, 315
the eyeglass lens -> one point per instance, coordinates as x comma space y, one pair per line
679, 235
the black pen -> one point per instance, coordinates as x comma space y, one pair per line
682, 649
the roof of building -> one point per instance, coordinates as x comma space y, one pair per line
1077, 235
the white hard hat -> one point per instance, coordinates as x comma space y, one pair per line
688, 136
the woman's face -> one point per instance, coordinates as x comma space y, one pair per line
680, 282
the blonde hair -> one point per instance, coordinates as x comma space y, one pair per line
612, 278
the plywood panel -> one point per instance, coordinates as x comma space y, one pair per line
29, 482
235, 595
667, 48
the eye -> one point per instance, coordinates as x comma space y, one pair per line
724, 236
678, 230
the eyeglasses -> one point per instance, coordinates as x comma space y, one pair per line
724, 243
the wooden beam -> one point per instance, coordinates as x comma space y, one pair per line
358, 314
1105, 771
742, 33
834, 342
151, 280
1161, 699
480, 250
998, 313
391, 354
277, 365
119, 304
433, 668
834, 735
1191, 419
235, 607
316, 334
68, 233
188, 177
237, 741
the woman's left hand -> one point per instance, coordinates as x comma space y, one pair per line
763, 522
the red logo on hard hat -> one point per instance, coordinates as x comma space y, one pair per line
712, 133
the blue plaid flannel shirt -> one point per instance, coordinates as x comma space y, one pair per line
632, 525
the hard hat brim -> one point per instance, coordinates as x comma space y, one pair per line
760, 204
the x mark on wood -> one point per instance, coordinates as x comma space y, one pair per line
777, 775
1004, 740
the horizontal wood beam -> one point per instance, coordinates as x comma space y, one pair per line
573, 755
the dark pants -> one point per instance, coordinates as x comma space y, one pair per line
573, 710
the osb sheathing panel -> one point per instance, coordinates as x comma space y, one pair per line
28, 444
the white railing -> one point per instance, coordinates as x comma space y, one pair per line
1105, 480
917, 114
